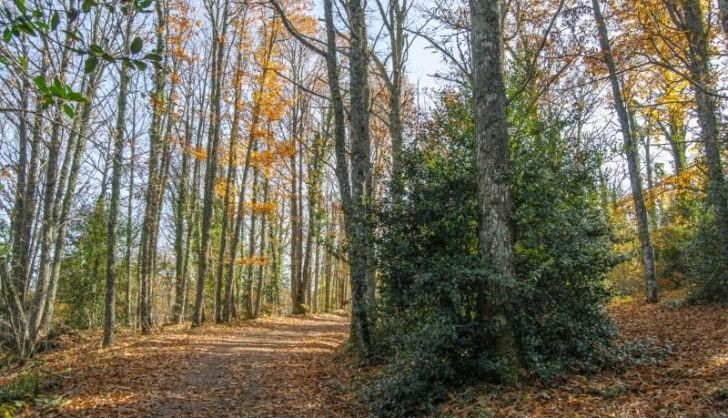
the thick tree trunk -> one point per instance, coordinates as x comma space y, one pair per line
297, 288
699, 67
495, 236
359, 231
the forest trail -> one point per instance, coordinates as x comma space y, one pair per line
282, 367
291, 367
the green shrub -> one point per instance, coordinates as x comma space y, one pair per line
707, 269
430, 335
27, 389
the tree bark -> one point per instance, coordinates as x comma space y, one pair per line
181, 223
110, 300
495, 235
218, 56
251, 247
359, 231
632, 155
699, 67
723, 9
261, 267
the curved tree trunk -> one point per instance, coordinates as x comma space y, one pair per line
632, 155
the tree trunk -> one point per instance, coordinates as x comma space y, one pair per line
229, 302
359, 230
316, 274
218, 56
495, 236
296, 238
261, 267
182, 221
699, 67
76, 151
110, 300
632, 155
251, 248
129, 235
674, 134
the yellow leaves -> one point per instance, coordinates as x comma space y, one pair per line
262, 159
286, 149
252, 261
174, 78
198, 153
306, 24
220, 187
262, 208
257, 132
157, 102
268, 99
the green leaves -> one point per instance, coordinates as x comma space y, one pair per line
90, 65
69, 110
21, 20
136, 45
87, 4
20, 4
55, 21
40, 84
95, 49
56, 91
153, 56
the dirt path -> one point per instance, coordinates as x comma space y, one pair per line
277, 367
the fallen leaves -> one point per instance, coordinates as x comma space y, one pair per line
292, 367
273, 367
688, 379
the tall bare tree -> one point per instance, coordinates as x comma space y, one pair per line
632, 154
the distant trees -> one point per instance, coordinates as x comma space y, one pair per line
114, 192
171, 160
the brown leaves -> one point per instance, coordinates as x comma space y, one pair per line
282, 367
688, 382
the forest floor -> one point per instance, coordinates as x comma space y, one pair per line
680, 369
294, 367
272, 367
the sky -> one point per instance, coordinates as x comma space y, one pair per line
422, 62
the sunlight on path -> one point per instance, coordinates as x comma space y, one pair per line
276, 367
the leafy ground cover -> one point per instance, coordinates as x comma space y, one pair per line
282, 367
680, 369
293, 367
